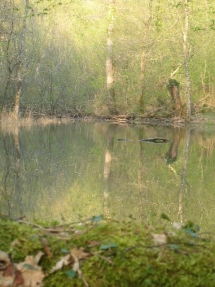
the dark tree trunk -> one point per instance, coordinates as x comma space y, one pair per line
173, 88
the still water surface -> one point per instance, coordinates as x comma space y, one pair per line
81, 169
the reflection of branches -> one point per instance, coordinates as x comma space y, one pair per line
17, 169
140, 176
183, 177
172, 153
6, 177
12, 175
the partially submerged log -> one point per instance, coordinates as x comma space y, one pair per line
150, 140
155, 140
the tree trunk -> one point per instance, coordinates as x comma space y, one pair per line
186, 58
173, 88
109, 60
143, 57
20, 63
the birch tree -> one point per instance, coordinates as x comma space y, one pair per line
186, 57
109, 59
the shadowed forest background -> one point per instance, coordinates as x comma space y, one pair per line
80, 56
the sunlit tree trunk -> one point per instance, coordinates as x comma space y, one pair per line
183, 176
107, 169
186, 58
143, 57
109, 59
20, 63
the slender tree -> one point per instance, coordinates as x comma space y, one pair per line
109, 59
143, 56
20, 62
186, 57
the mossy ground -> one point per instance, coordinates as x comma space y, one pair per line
120, 253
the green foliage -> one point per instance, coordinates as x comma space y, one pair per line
172, 83
65, 54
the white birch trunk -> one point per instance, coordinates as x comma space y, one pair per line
109, 58
186, 58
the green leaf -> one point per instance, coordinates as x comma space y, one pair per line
190, 232
165, 217
193, 227
28, 266
173, 246
107, 246
65, 251
97, 218
71, 273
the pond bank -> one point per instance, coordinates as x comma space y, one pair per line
7, 119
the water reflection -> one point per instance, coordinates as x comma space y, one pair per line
68, 171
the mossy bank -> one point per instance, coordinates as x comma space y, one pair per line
108, 253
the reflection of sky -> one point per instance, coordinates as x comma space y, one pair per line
61, 173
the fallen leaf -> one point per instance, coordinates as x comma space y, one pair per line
64, 261
177, 225
47, 249
18, 278
9, 271
79, 253
32, 273
4, 260
93, 243
6, 281
159, 239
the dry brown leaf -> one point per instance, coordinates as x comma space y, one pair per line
8, 271
79, 253
6, 281
4, 260
159, 239
18, 278
64, 261
93, 243
47, 249
75, 265
32, 273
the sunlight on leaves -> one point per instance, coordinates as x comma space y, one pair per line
159, 239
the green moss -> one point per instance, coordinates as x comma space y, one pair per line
172, 83
123, 254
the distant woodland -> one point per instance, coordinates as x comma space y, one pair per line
107, 57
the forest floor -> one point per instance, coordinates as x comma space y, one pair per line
100, 252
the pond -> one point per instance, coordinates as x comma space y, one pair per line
78, 170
